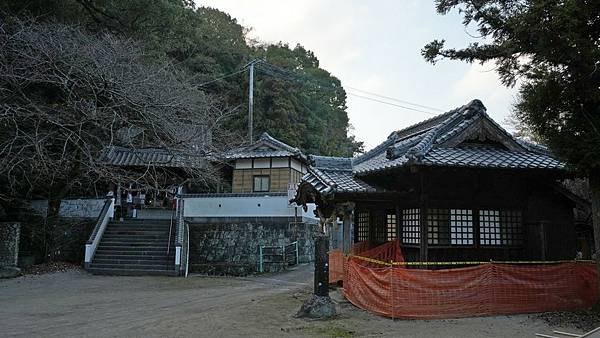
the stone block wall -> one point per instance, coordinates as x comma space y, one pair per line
9, 243
231, 246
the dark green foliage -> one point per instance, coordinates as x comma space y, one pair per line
553, 47
207, 44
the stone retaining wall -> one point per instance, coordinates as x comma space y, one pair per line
231, 246
9, 243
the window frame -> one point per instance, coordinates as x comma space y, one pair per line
410, 220
261, 177
504, 228
452, 225
363, 226
391, 225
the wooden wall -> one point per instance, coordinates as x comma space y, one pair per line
547, 216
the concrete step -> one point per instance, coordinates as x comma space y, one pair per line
135, 256
137, 232
156, 266
143, 223
158, 227
143, 262
135, 239
126, 272
155, 248
151, 252
134, 242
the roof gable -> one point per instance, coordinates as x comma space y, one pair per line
481, 129
265, 146
468, 129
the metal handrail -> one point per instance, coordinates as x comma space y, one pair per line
187, 250
261, 254
171, 227
100, 219
92, 244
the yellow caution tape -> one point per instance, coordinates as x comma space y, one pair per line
392, 263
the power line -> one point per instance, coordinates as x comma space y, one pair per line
288, 75
222, 77
394, 99
391, 104
279, 72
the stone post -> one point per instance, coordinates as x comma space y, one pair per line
321, 266
320, 305
10, 233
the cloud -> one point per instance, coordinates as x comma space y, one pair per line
327, 28
482, 82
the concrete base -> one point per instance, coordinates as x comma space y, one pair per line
9, 272
317, 307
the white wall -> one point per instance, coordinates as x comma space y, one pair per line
243, 206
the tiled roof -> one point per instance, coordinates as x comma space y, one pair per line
329, 181
463, 137
120, 156
490, 158
334, 174
266, 146
430, 143
330, 163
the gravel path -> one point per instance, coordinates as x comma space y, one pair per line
75, 303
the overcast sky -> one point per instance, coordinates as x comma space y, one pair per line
375, 46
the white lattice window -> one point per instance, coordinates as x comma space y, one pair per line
500, 227
363, 226
390, 225
411, 226
461, 227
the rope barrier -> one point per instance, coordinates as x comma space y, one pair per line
392, 263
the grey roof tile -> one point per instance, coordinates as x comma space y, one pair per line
121, 156
265, 146
339, 181
426, 144
330, 163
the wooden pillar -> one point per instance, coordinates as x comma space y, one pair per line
423, 252
348, 227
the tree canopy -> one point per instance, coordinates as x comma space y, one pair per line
67, 95
208, 45
553, 48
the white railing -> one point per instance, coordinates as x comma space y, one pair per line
108, 212
181, 252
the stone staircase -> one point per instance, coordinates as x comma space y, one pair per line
135, 247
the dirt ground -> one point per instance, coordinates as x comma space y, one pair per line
75, 303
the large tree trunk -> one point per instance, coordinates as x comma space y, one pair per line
595, 194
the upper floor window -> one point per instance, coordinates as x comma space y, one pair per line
261, 183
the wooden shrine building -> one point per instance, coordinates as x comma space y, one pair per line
456, 187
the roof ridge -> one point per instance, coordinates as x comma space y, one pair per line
418, 151
266, 137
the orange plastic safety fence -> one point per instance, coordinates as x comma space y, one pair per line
336, 266
473, 291
487, 289
337, 260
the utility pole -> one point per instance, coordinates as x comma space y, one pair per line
251, 102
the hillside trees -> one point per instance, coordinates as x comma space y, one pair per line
206, 44
66, 95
